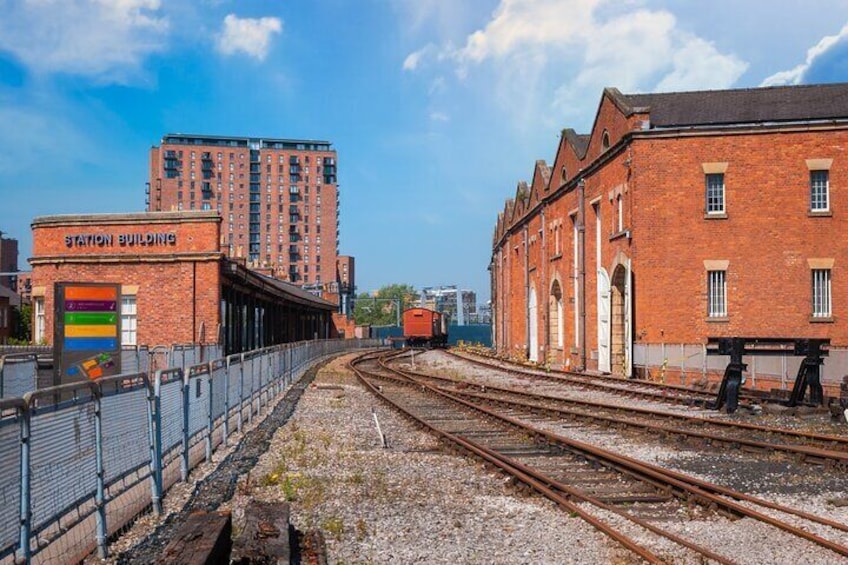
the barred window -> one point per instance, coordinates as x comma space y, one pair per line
819, 188
715, 193
716, 294
821, 293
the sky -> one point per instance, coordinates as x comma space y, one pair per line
437, 108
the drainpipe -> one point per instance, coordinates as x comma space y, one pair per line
526, 293
546, 322
581, 268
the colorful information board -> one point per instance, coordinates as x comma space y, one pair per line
87, 332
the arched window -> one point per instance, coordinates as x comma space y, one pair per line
563, 174
605, 141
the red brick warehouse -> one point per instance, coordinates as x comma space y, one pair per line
680, 216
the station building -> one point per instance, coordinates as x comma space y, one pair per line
176, 284
679, 216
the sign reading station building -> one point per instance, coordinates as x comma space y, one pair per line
87, 331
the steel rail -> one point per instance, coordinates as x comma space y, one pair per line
839, 457
525, 478
700, 489
688, 395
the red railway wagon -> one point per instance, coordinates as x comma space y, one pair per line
422, 326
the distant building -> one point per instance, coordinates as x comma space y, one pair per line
9, 301
8, 261
445, 299
346, 276
278, 198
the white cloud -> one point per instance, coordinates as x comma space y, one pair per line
544, 54
796, 74
251, 36
411, 61
106, 39
697, 65
437, 116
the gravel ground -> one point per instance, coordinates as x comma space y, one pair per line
413, 503
410, 502
778, 479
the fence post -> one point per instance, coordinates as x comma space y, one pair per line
100, 496
184, 455
209, 416
155, 426
24, 553
241, 392
226, 402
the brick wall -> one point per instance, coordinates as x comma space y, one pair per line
178, 284
658, 182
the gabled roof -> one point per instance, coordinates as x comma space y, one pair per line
579, 141
803, 103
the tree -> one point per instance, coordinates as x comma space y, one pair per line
381, 309
22, 330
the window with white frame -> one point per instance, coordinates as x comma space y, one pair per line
620, 214
715, 193
717, 294
129, 320
819, 189
38, 329
821, 293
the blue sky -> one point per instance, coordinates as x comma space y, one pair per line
437, 108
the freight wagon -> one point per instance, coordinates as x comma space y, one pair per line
424, 327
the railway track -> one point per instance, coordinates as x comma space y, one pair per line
601, 487
646, 390
814, 448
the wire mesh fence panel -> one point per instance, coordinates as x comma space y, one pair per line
219, 391
62, 462
10, 480
835, 366
18, 375
126, 436
171, 410
198, 406
234, 381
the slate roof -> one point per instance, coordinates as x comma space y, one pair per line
803, 103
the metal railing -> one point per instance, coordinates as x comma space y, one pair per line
82, 461
687, 363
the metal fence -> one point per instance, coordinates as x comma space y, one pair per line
18, 374
81, 461
689, 363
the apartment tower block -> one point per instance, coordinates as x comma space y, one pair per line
278, 198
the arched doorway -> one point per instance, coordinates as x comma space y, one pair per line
620, 334
555, 330
603, 321
532, 316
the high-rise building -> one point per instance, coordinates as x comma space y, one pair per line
278, 198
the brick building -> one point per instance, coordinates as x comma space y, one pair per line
8, 261
278, 198
679, 216
176, 285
